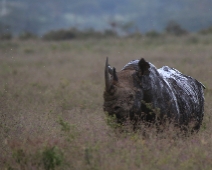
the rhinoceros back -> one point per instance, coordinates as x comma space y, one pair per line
188, 92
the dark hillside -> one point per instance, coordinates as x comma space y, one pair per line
41, 16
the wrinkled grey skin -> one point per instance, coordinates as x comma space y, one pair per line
140, 91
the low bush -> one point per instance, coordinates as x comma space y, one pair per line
175, 29
60, 35
206, 31
152, 34
73, 33
6, 36
27, 36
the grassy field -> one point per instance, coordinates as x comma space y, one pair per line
51, 97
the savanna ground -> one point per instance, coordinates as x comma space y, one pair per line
51, 97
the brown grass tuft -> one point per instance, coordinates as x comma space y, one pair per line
51, 96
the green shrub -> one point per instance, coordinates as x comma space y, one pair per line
89, 33
109, 33
20, 156
193, 40
73, 33
152, 34
175, 29
60, 35
27, 36
52, 157
206, 31
135, 35
48, 157
5, 36
112, 121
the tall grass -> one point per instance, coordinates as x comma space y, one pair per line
51, 96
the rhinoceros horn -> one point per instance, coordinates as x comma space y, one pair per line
112, 72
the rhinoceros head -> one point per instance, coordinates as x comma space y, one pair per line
123, 90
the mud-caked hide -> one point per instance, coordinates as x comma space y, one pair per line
142, 92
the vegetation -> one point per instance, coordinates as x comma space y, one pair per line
41, 16
77, 34
27, 36
117, 30
206, 31
51, 105
175, 29
6, 36
152, 34
4, 32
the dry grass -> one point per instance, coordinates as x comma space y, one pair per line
51, 106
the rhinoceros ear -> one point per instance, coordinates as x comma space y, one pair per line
114, 75
112, 71
143, 66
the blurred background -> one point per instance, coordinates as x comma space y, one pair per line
122, 17
51, 91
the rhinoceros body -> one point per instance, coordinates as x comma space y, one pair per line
140, 91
